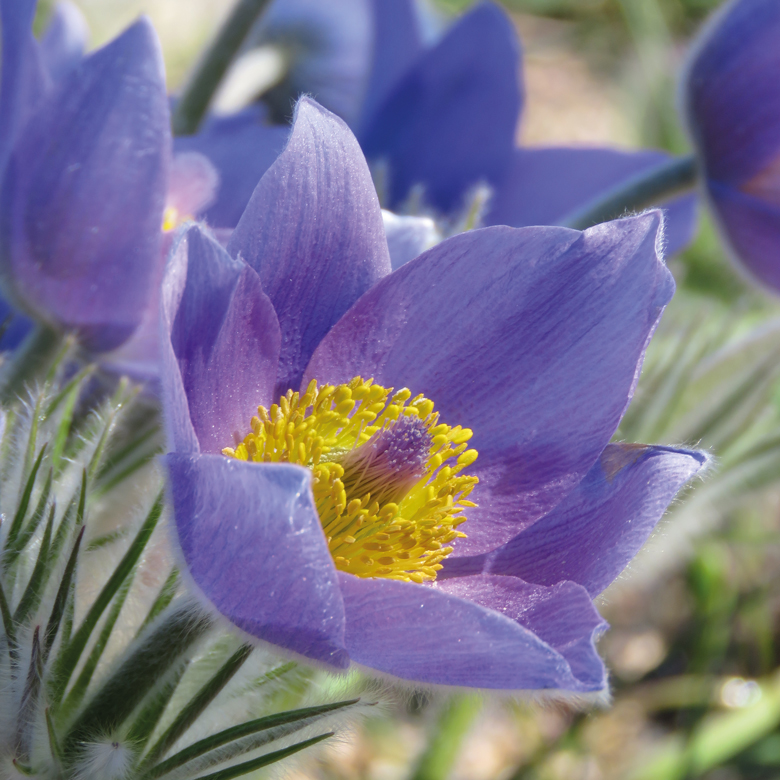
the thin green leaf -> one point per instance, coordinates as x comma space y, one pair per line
8, 624
33, 593
79, 688
60, 397
54, 744
26, 721
24, 502
126, 451
131, 469
32, 438
69, 655
299, 718
13, 549
127, 686
266, 760
60, 600
103, 541
149, 716
164, 598
66, 418
191, 711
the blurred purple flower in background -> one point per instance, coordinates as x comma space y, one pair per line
443, 117
528, 342
84, 153
731, 99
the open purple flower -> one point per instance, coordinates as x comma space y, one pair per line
443, 117
325, 415
84, 157
731, 95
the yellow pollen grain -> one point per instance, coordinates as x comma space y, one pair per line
405, 538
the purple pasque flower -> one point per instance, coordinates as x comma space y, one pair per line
335, 530
84, 156
731, 100
443, 117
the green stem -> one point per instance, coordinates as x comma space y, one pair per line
645, 189
196, 96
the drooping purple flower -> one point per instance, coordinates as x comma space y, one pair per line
84, 155
731, 98
444, 118
325, 414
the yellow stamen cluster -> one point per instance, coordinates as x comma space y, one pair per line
383, 515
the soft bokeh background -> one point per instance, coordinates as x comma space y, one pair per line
694, 644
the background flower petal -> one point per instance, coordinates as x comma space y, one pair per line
563, 616
23, 78
422, 634
225, 339
396, 45
242, 147
545, 185
65, 39
408, 237
313, 232
254, 546
84, 193
450, 121
532, 337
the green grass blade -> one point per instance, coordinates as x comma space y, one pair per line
26, 719
8, 624
69, 656
33, 593
58, 608
71, 394
299, 718
191, 711
164, 598
127, 686
54, 744
266, 760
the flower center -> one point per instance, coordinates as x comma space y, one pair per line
387, 476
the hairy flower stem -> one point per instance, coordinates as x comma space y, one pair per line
202, 84
641, 191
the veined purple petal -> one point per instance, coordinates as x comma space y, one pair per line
532, 337
242, 148
423, 634
225, 340
84, 193
254, 546
396, 46
732, 92
591, 536
65, 40
23, 80
313, 231
544, 185
450, 122
563, 616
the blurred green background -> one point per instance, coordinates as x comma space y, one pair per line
694, 647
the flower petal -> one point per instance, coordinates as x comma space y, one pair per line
751, 227
331, 247
65, 40
253, 544
408, 237
242, 148
545, 185
450, 122
397, 45
85, 190
532, 337
423, 634
563, 616
23, 77
591, 536
225, 340
732, 93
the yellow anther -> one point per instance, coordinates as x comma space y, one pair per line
388, 506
